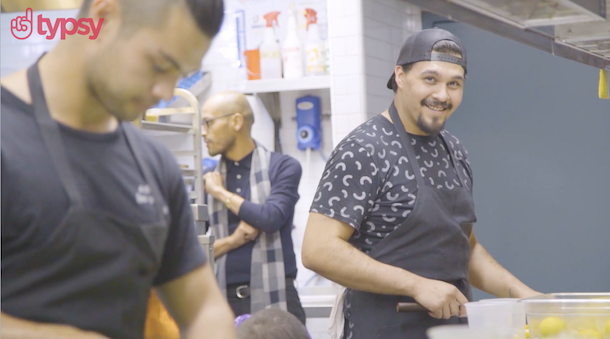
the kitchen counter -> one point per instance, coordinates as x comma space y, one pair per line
318, 300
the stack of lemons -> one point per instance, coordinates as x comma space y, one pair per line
577, 328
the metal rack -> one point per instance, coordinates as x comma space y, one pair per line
194, 130
199, 209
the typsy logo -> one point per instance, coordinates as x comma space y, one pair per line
23, 26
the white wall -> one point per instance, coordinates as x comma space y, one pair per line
387, 24
17, 54
347, 69
312, 171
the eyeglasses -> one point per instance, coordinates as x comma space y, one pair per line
206, 122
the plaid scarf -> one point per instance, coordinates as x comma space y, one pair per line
267, 277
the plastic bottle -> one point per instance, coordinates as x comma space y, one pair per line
270, 54
292, 50
327, 57
315, 47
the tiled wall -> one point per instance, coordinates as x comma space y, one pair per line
366, 39
347, 68
312, 169
387, 24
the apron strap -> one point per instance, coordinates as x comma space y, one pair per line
144, 167
51, 135
407, 142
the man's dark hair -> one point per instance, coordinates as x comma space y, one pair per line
151, 13
442, 47
272, 323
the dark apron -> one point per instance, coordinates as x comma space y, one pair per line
433, 243
95, 271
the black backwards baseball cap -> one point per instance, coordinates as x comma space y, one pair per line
418, 47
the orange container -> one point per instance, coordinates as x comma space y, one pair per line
253, 64
159, 323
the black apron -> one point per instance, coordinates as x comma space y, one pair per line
433, 243
95, 271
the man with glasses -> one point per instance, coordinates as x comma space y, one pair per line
251, 197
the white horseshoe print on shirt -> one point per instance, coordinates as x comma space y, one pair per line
369, 182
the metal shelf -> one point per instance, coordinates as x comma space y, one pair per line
170, 111
165, 127
193, 131
282, 85
188, 172
185, 153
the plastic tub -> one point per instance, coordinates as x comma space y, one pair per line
483, 315
568, 315
465, 332
499, 300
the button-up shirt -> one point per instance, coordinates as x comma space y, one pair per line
275, 215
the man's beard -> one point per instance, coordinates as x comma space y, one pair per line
433, 128
102, 95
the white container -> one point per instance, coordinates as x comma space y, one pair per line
483, 315
270, 53
499, 300
465, 332
292, 50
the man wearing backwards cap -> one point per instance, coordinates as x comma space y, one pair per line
393, 216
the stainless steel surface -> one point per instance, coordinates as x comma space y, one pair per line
587, 43
200, 214
532, 13
188, 172
207, 243
318, 301
193, 130
317, 311
165, 127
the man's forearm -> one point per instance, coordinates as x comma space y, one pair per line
215, 319
234, 200
486, 274
198, 306
15, 328
340, 262
223, 246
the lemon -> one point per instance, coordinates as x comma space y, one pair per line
608, 327
589, 333
551, 326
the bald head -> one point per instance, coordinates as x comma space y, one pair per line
230, 102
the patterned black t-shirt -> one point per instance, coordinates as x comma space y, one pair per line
368, 182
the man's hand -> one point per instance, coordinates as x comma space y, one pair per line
213, 184
442, 300
243, 234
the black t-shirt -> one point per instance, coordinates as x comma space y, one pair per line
108, 178
368, 182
